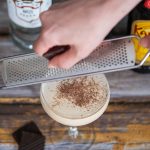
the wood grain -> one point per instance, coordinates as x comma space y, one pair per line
35, 101
4, 20
100, 146
124, 126
122, 123
122, 84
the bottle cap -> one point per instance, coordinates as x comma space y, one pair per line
147, 4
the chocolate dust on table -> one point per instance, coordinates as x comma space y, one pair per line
80, 91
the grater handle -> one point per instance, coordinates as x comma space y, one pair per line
147, 55
56, 50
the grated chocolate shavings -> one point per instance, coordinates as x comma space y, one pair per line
80, 91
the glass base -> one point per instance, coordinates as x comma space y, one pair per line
24, 37
73, 132
74, 138
23, 45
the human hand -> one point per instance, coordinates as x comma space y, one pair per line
82, 24
145, 42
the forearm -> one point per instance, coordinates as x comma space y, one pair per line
116, 9
122, 8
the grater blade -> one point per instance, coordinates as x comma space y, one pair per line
111, 55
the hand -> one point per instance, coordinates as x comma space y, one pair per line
82, 24
145, 42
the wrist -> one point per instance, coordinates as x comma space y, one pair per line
119, 8
115, 10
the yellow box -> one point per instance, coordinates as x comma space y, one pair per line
141, 28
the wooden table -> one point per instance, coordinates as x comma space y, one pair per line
124, 126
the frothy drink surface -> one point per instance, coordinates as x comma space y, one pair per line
77, 98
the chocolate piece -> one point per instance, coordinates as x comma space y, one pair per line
32, 141
29, 127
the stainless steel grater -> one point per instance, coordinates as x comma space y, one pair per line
112, 55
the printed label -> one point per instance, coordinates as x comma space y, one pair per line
141, 28
26, 13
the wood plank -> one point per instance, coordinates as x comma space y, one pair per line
127, 123
122, 84
128, 83
8, 48
4, 21
100, 146
26, 100
145, 146
113, 107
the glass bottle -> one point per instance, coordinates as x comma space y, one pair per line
24, 20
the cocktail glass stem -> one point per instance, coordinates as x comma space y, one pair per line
73, 132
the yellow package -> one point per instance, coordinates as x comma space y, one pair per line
141, 28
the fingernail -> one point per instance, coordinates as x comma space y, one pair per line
52, 66
40, 54
142, 45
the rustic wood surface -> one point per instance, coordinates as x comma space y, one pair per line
124, 126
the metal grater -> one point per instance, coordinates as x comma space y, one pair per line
112, 55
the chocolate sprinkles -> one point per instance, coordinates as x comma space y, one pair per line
80, 91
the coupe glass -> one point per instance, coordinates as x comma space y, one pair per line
67, 113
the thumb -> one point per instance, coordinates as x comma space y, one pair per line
43, 44
145, 42
65, 60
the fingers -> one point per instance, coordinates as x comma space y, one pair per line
145, 42
44, 43
65, 60
46, 40
41, 47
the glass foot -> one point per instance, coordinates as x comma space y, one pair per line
73, 138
